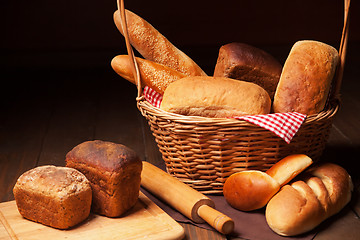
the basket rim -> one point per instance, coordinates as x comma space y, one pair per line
144, 105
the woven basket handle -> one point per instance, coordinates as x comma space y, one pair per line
342, 52
134, 65
339, 73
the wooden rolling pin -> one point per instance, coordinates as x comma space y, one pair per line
183, 198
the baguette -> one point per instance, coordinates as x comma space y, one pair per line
301, 206
306, 78
215, 97
154, 46
152, 74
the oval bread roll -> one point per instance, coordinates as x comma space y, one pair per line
252, 189
215, 97
303, 205
249, 190
306, 78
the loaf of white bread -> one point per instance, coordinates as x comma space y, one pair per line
215, 97
319, 193
154, 46
306, 78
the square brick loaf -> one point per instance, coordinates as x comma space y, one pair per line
59, 197
114, 172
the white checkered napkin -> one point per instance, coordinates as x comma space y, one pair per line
284, 125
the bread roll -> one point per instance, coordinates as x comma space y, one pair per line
152, 74
113, 171
247, 63
304, 204
215, 97
306, 78
251, 189
152, 45
59, 197
289, 167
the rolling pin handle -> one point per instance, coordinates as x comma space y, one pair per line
216, 219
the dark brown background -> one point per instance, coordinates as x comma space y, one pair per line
45, 33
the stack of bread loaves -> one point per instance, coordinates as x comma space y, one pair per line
246, 80
102, 176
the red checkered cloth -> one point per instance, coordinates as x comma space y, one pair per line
153, 97
284, 125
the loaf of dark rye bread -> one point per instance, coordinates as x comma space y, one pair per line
113, 171
59, 197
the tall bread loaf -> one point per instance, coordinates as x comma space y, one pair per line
154, 46
306, 78
215, 97
247, 63
58, 197
152, 74
113, 171
301, 206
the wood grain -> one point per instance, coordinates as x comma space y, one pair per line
144, 220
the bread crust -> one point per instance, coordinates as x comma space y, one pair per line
301, 206
113, 171
152, 74
289, 167
59, 197
306, 78
215, 97
249, 190
247, 63
154, 46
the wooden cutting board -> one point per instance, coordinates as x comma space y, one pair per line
144, 221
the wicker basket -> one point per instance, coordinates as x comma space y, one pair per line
203, 152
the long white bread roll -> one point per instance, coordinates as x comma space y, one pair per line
306, 78
154, 46
289, 167
215, 97
301, 206
152, 74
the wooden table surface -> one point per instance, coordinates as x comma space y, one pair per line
46, 112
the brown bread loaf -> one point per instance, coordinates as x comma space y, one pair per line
113, 171
59, 197
306, 78
247, 63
